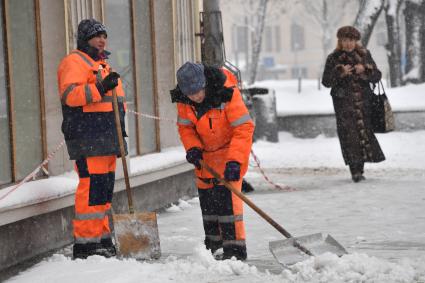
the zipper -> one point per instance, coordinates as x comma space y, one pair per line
210, 120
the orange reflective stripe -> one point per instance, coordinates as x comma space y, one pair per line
234, 243
230, 218
83, 57
89, 216
213, 237
245, 118
107, 98
67, 92
89, 98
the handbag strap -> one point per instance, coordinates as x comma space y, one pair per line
382, 86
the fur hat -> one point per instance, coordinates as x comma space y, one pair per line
348, 32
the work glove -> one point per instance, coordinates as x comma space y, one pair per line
193, 155
108, 83
232, 172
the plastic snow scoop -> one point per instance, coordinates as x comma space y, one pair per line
136, 233
292, 249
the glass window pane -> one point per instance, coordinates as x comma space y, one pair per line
117, 21
147, 132
25, 86
5, 166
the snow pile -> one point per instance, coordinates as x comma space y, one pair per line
201, 267
354, 268
181, 205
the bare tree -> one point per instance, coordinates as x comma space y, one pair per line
369, 11
328, 15
392, 12
257, 40
254, 14
414, 20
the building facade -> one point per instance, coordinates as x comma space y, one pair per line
292, 38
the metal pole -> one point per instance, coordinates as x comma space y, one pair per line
213, 44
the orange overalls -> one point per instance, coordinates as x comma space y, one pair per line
91, 138
224, 134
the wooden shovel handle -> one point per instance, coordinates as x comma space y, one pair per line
254, 207
122, 151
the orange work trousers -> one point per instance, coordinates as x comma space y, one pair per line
93, 198
222, 215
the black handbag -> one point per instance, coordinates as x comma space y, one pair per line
382, 115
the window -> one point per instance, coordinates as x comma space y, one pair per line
241, 37
25, 88
297, 37
5, 168
278, 45
185, 32
268, 42
117, 21
298, 72
145, 97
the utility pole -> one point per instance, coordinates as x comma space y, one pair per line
213, 35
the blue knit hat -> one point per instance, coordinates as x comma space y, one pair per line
191, 78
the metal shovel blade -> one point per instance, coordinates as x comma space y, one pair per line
286, 254
136, 235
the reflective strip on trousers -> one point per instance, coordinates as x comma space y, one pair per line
215, 238
89, 97
182, 121
234, 243
245, 118
84, 58
230, 218
81, 240
210, 218
66, 93
90, 216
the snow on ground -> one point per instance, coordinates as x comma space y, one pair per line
314, 101
380, 222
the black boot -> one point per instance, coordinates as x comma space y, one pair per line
109, 246
246, 187
239, 252
82, 251
356, 170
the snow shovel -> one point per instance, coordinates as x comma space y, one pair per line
136, 233
292, 249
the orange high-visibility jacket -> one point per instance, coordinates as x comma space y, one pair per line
88, 118
224, 133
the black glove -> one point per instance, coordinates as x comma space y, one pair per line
108, 83
193, 155
232, 171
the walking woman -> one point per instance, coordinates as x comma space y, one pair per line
349, 71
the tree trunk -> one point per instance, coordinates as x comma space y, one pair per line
369, 12
414, 20
392, 10
257, 41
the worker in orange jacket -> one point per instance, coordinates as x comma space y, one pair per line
86, 83
215, 126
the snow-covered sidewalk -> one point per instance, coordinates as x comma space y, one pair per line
379, 221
